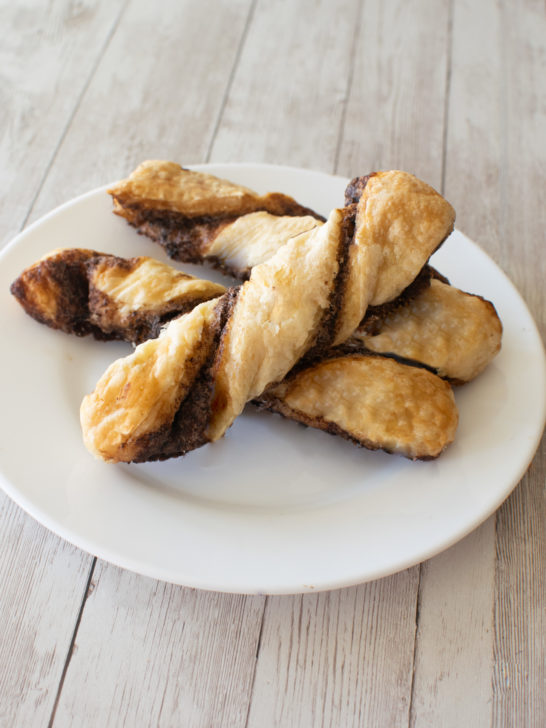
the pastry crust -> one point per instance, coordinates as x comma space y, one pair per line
160, 185
455, 333
129, 417
373, 401
302, 300
86, 292
184, 210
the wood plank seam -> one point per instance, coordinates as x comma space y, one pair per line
79, 99
229, 84
449, 56
350, 78
411, 707
88, 589
258, 646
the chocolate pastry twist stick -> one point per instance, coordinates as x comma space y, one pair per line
311, 295
370, 400
455, 335
195, 216
86, 292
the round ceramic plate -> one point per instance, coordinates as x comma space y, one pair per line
272, 507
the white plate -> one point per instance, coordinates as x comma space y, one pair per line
273, 507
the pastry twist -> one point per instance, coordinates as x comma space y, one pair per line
186, 387
86, 292
453, 333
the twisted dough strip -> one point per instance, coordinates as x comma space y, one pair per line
186, 387
186, 211
86, 292
78, 291
375, 402
453, 333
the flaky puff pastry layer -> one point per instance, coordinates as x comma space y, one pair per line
302, 299
160, 185
86, 292
455, 333
373, 401
132, 409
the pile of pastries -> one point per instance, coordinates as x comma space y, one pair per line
340, 324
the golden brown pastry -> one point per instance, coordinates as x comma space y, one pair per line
371, 400
142, 290
455, 333
85, 292
310, 295
185, 211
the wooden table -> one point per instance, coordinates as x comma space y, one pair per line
452, 91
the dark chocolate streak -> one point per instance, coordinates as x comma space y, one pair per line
187, 238
187, 430
376, 315
271, 403
330, 321
65, 279
355, 188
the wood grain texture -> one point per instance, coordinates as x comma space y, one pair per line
519, 671
43, 583
156, 94
151, 653
321, 657
456, 632
520, 600
46, 60
286, 100
394, 115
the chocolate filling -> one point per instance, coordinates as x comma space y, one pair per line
330, 320
188, 428
355, 188
61, 279
187, 238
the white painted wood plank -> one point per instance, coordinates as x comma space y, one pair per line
519, 677
471, 666
156, 94
149, 653
43, 583
520, 610
452, 684
286, 100
341, 658
47, 54
395, 110
346, 658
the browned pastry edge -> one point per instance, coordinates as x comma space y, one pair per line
57, 291
64, 282
355, 188
376, 315
187, 430
185, 238
269, 402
